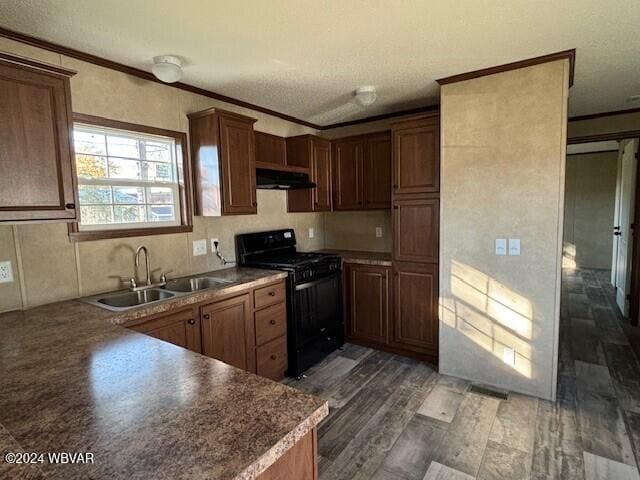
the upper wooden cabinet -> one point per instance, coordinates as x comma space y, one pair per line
314, 153
36, 154
377, 171
271, 150
416, 155
348, 175
223, 155
180, 328
362, 172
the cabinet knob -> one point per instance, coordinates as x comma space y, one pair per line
273, 357
255, 204
272, 293
272, 322
395, 185
191, 321
206, 316
70, 206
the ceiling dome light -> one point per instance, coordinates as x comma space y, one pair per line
366, 95
167, 68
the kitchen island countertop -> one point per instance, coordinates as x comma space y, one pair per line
73, 380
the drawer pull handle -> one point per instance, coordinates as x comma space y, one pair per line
206, 316
273, 357
191, 321
272, 322
272, 293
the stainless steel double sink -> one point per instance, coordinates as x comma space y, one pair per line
121, 301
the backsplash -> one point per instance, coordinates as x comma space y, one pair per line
48, 267
357, 230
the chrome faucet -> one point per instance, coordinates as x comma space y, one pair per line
142, 248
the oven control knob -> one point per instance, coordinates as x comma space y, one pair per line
333, 266
308, 274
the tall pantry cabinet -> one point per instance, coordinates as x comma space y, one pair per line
416, 210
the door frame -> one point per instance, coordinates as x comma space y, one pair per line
634, 288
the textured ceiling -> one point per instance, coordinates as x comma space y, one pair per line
305, 58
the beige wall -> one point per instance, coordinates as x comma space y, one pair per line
590, 192
357, 230
609, 124
503, 154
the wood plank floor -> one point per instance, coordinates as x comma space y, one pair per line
395, 418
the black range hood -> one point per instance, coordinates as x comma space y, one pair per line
278, 180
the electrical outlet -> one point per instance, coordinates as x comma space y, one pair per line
312, 232
199, 247
6, 272
378, 232
215, 243
509, 356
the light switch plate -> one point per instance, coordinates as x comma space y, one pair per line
501, 246
378, 232
199, 247
514, 246
6, 272
312, 232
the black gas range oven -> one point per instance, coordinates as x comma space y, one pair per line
315, 325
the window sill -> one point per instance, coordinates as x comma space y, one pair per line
87, 236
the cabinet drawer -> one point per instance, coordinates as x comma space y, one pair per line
271, 359
271, 323
269, 295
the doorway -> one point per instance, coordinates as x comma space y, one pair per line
600, 213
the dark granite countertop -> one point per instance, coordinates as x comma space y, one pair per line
71, 380
362, 257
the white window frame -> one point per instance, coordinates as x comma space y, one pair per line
113, 182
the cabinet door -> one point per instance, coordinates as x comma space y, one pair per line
348, 162
416, 157
415, 319
270, 149
226, 330
377, 171
36, 173
180, 328
367, 298
321, 174
416, 230
237, 166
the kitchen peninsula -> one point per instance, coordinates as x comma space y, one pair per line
73, 380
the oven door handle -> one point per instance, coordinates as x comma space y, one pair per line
304, 286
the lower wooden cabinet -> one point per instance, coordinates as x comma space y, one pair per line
271, 359
415, 313
247, 330
393, 309
367, 294
180, 328
299, 463
226, 326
